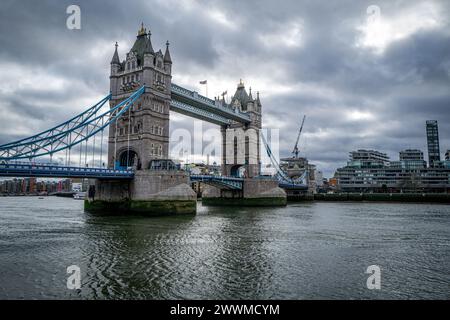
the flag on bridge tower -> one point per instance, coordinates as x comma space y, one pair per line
205, 82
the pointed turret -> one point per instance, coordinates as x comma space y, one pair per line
115, 58
148, 44
142, 31
240, 95
250, 94
142, 45
167, 58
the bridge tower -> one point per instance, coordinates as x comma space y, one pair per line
141, 137
241, 142
142, 134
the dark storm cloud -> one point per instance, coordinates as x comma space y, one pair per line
353, 96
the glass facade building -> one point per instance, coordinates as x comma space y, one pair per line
369, 171
433, 142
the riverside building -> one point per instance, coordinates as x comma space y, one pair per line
371, 171
434, 155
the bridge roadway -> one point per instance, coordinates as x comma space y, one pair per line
195, 105
55, 171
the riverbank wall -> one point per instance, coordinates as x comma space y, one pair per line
382, 197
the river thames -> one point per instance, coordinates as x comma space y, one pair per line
315, 250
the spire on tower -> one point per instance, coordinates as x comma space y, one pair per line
115, 58
148, 44
142, 31
167, 58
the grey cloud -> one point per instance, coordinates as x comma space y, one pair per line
401, 88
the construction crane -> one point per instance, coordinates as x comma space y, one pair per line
295, 151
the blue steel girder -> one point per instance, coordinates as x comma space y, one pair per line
292, 186
192, 98
61, 128
198, 113
219, 181
52, 171
68, 137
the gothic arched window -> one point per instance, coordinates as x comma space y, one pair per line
235, 144
247, 150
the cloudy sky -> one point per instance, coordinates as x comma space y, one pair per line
366, 74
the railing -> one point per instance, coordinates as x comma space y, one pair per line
217, 178
209, 102
44, 170
210, 116
230, 182
292, 186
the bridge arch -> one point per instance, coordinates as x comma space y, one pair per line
128, 157
238, 171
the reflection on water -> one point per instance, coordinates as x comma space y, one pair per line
303, 251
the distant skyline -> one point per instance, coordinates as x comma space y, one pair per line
363, 83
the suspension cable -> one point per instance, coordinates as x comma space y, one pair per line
274, 162
115, 145
81, 148
93, 153
128, 138
56, 137
86, 151
101, 147
70, 139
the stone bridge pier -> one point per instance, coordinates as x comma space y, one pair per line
255, 192
150, 192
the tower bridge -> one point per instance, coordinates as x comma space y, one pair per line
137, 129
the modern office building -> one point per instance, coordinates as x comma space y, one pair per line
433, 142
447, 155
409, 159
411, 154
407, 175
368, 158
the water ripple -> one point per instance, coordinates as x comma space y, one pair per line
315, 250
